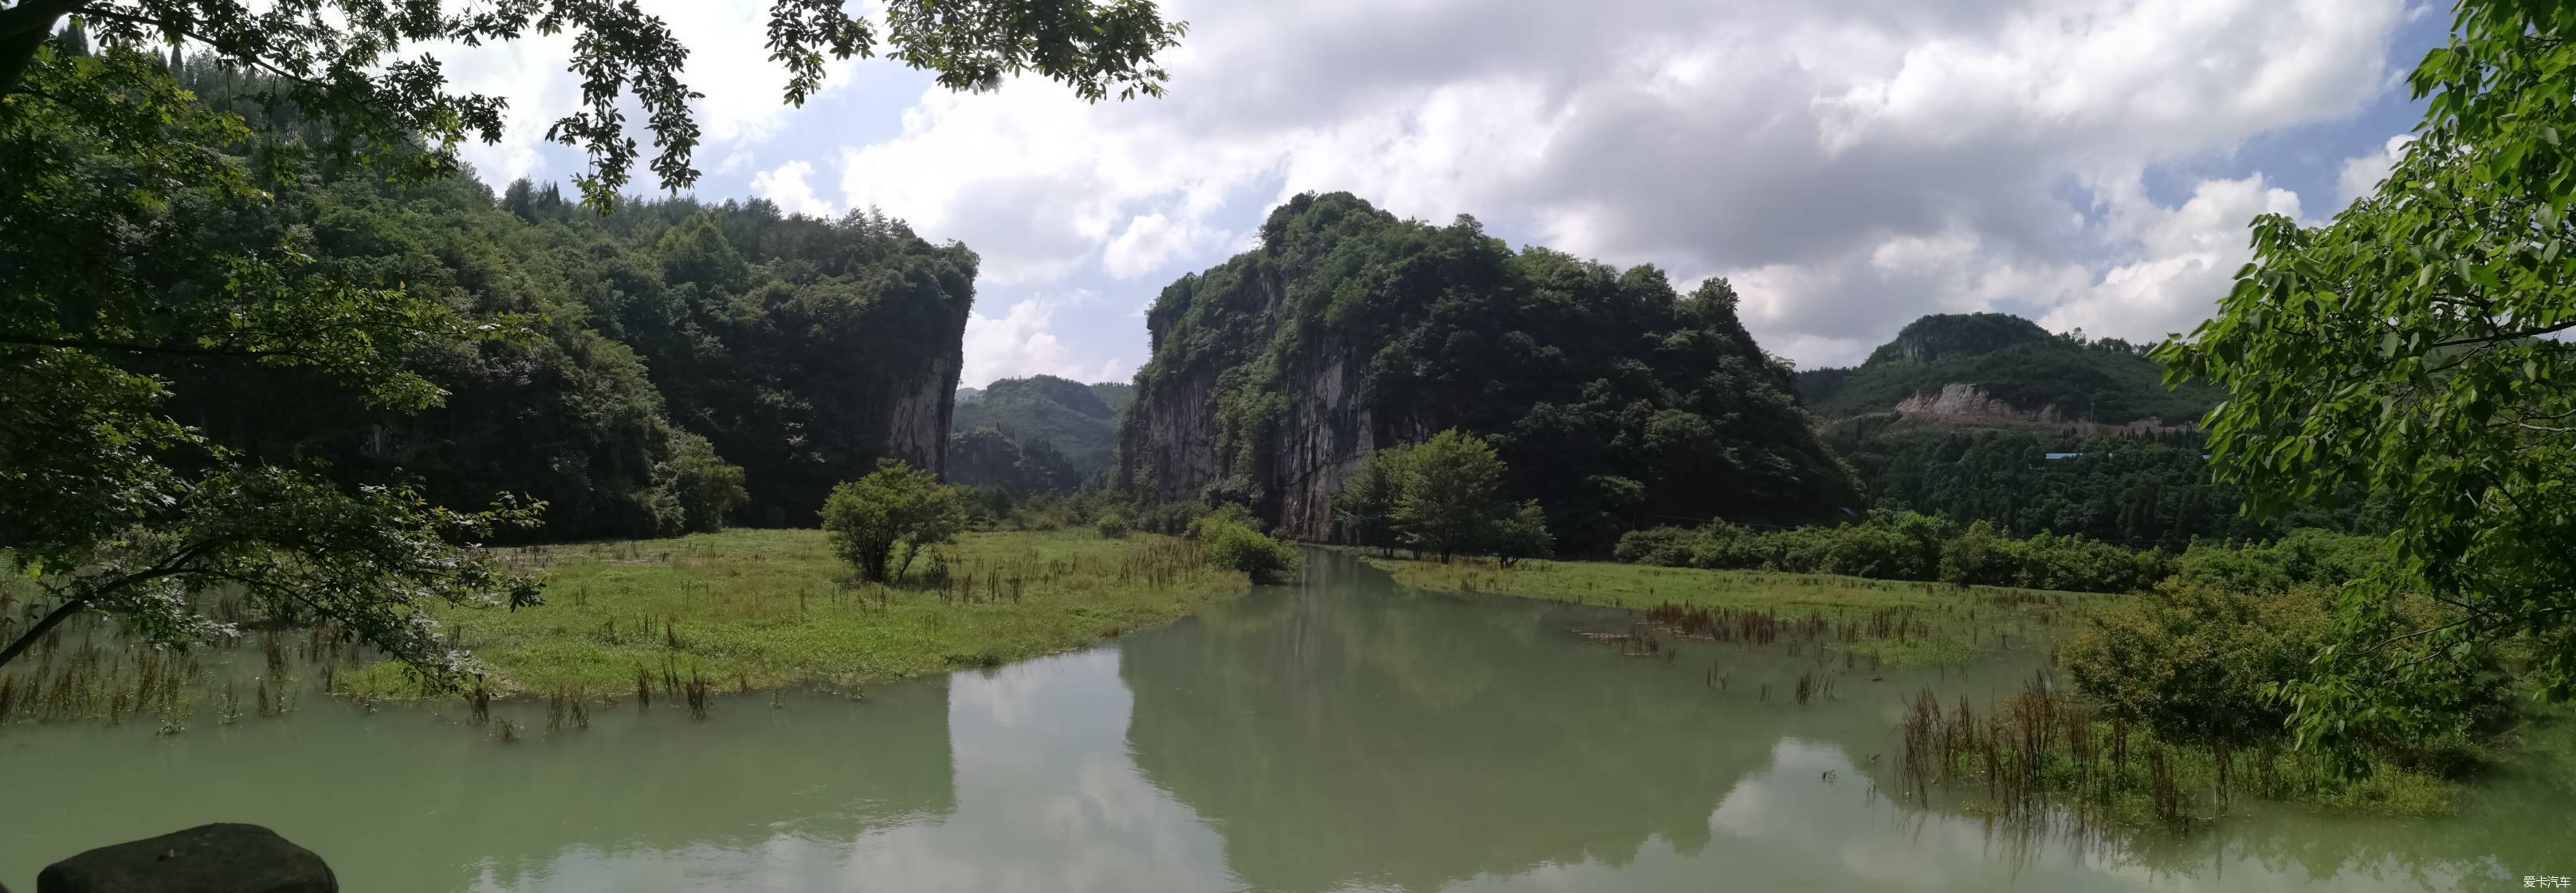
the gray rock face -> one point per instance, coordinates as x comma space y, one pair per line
218, 858
1168, 446
1958, 400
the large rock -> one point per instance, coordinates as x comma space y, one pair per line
218, 858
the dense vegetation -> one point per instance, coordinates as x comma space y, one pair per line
663, 343
1895, 545
162, 244
1039, 434
1443, 497
2029, 471
1611, 397
2067, 377
2407, 347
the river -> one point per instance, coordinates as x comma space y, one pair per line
1336, 735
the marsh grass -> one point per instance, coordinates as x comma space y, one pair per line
1878, 621
767, 609
2043, 755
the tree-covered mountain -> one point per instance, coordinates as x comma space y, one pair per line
1614, 400
1995, 365
670, 349
1988, 417
1036, 434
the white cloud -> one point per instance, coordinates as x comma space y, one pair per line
2361, 173
1151, 241
1023, 342
1849, 163
786, 186
1832, 156
2186, 260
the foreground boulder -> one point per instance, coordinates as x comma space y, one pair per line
218, 858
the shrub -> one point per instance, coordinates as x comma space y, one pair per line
1225, 514
1663, 546
1112, 527
2194, 664
1231, 545
706, 488
895, 508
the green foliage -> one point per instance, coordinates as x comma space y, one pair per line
1609, 396
991, 457
894, 511
343, 62
1075, 424
2207, 666
127, 276
1451, 498
2195, 665
1365, 507
1230, 543
1522, 534
1224, 514
2403, 348
1112, 526
2108, 380
1443, 496
1893, 545
707, 487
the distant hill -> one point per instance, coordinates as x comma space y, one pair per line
1042, 414
2000, 368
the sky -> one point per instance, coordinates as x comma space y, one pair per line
1849, 165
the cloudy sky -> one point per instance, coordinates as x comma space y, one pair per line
1848, 164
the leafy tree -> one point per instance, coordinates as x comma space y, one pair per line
1522, 534
896, 508
1452, 499
125, 511
106, 167
2410, 347
709, 488
1365, 507
340, 61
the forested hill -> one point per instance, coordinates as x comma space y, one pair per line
659, 346
1036, 434
1995, 367
1613, 399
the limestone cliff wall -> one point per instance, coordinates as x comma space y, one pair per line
917, 429
1168, 442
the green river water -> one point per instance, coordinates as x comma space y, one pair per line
1338, 735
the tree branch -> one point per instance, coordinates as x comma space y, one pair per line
60, 613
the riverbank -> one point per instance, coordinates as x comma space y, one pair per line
764, 609
1898, 622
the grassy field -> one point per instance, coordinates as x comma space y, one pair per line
769, 608
1899, 622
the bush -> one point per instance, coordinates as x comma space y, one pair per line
2193, 664
1661, 546
1112, 527
1231, 545
1225, 514
706, 488
896, 508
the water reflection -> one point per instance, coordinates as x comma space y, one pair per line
1339, 735
1047, 796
